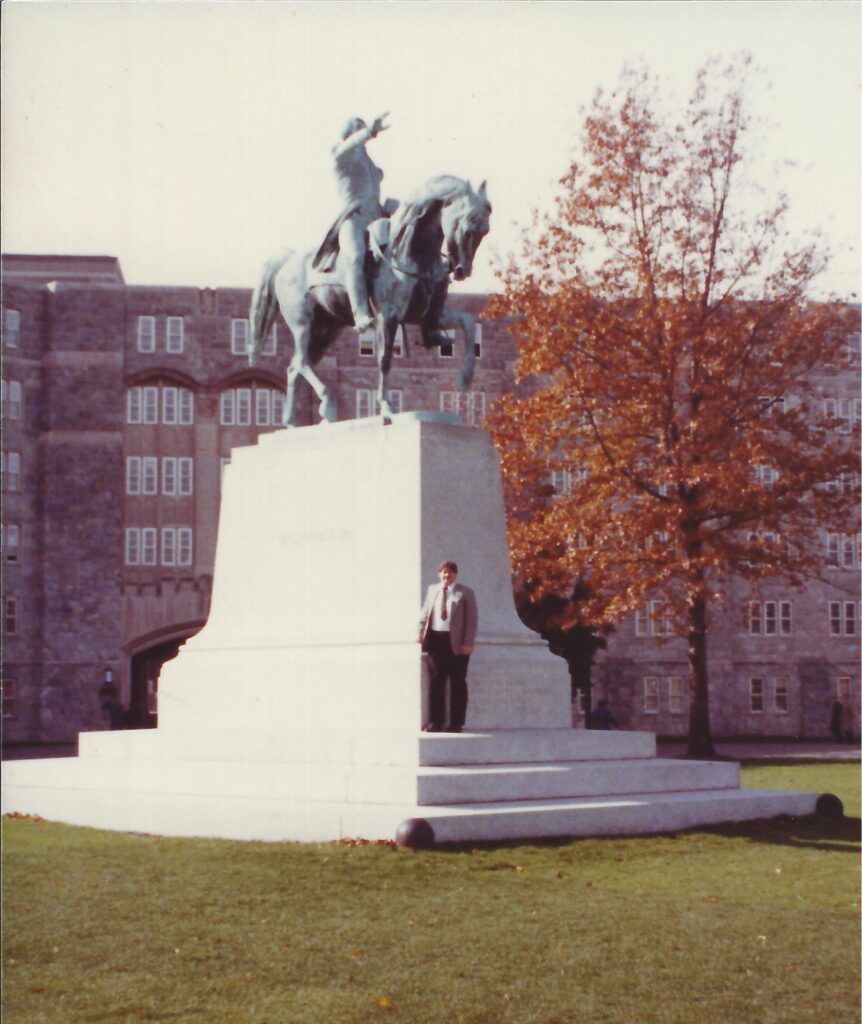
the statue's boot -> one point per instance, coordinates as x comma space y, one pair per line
433, 337
357, 292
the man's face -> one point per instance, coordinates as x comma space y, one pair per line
447, 577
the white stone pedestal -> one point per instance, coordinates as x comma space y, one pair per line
328, 537
296, 712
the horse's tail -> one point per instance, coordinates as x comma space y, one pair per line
264, 305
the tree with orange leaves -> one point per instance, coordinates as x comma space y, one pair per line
668, 350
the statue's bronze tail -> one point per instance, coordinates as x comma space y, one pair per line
264, 307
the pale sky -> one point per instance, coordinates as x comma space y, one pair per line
192, 140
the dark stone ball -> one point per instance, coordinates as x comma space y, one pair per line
830, 806
415, 834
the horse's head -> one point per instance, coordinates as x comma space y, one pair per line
465, 222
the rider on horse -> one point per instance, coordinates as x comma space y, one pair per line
358, 179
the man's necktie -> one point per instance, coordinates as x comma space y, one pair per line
443, 612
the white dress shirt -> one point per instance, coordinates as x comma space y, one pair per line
438, 623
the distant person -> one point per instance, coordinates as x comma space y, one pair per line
116, 714
835, 720
601, 718
847, 723
447, 632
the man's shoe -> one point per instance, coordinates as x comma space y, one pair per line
433, 728
454, 728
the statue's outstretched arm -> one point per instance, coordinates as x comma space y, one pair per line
360, 137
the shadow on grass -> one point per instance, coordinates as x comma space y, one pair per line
813, 832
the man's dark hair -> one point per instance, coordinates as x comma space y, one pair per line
449, 564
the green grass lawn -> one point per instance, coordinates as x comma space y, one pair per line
751, 923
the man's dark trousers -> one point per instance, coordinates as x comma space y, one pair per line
443, 665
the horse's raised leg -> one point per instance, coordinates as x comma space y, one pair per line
450, 318
288, 418
300, 367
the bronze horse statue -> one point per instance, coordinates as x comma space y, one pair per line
409, 281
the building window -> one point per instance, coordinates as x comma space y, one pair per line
239, 337
478, 341
842, 551
366, 342
580, 702
11, 327
169, 545
187, 407
12, 467
151, 405
770, 618
184, 545
133, 406
844, 482
755, 695
469, 405
779, 695
10, 537
262, 401
854, 346
169, 405
133, 474
133, 546
366, 400
243, 407
146, 334
175, 337
8, 698
651, 687
10, 616
177, 405
169, 476
447, 349
675, 695
650, 621
185, 466
766, 476
150, 474
11, 401
148, 545
223, 464
277, 407
368, 405
565, 480
843, 618
227, 413
843, 413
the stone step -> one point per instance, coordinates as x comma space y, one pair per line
368, 784
370, 747
635, 814
517, 782
52, 791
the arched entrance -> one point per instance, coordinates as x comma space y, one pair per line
146, 668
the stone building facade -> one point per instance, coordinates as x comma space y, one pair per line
121, 405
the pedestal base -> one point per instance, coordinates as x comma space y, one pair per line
295, 713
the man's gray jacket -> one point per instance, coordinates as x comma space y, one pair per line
465, 616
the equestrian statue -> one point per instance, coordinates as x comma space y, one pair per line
380, 265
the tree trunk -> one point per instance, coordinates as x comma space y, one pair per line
580, 676
699, 736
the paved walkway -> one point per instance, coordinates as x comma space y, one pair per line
750, 749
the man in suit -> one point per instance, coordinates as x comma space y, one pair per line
447, 632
